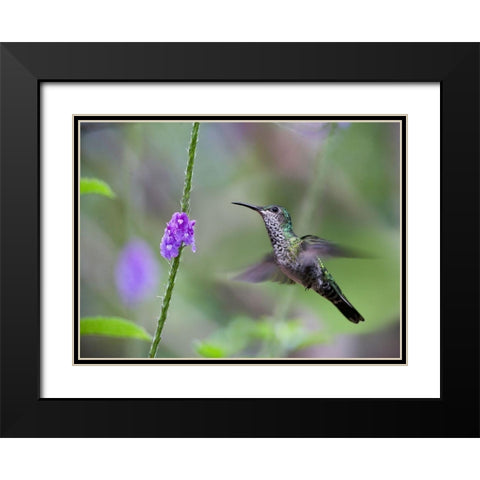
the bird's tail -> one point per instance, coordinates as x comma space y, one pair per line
348, 310
332, 292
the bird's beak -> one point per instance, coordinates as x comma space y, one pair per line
253, 207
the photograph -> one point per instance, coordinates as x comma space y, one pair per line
239, 239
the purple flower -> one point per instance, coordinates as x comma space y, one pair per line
344, 125
179, 230
136, 273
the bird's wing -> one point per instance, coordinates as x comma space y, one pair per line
313, 247
266, 270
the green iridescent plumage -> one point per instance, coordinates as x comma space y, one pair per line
298, 260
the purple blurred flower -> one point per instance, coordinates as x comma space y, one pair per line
178, 230
344, 125
136, 273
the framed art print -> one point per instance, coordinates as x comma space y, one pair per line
287, 231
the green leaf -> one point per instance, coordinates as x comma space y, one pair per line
228, 341
263, 330
94, 185
112, 327
209, 350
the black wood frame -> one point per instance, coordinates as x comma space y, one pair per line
23, 69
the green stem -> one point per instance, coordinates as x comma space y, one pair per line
185, 206
282, 309
165, 305
187, 187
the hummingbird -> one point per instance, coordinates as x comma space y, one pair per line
298, 260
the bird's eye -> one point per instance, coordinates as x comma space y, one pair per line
274, 209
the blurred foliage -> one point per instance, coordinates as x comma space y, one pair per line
112, 327
245, 337
94, 185
341, 182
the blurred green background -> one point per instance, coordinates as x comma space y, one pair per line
340, 181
